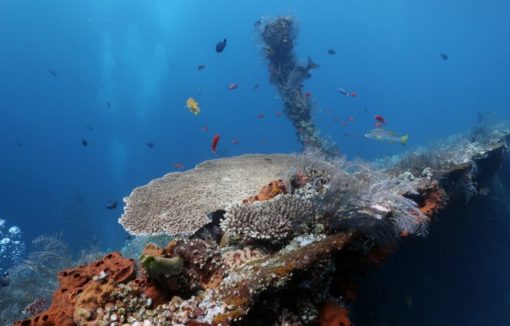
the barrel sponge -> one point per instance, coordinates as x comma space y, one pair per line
273, 219
178, 203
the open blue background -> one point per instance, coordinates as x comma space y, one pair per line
141, 56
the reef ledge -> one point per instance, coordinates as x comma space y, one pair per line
290, 254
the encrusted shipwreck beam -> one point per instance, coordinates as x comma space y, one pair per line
279, 36
260, 261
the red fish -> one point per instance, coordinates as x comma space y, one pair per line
178, 166
379, 118
344, 124
353, 94
278, 114
235, 141
205, 129
261, 116
351, 118
214, 143
308, 94
233, 86
378, 125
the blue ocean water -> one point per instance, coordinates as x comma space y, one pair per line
117, 75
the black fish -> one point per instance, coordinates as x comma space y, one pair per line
84, 142
53, 73
200, 67
150, 144
332, 51
255, 87
108, 105
221, 45
444, 56
212, 230
112, 204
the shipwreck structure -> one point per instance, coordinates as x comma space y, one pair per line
279, 37
269, 239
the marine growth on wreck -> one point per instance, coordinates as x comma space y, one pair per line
269, 239
273, 239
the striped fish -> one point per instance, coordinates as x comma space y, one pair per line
380, 134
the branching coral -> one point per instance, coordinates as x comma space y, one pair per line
273, 219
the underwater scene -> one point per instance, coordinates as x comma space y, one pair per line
278, 163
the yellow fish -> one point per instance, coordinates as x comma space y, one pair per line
193, 106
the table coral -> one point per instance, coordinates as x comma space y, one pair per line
179, 202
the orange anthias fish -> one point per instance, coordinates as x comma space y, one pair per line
308, 94
278, 114
214, 143
351, 118
205, 129
235, 141
353, 94
233, 86
261, 116
193, 106
178, 166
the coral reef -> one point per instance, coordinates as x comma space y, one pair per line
279, 37
296, 247
269, 239
185, 198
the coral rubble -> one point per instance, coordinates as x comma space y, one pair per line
290, 250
